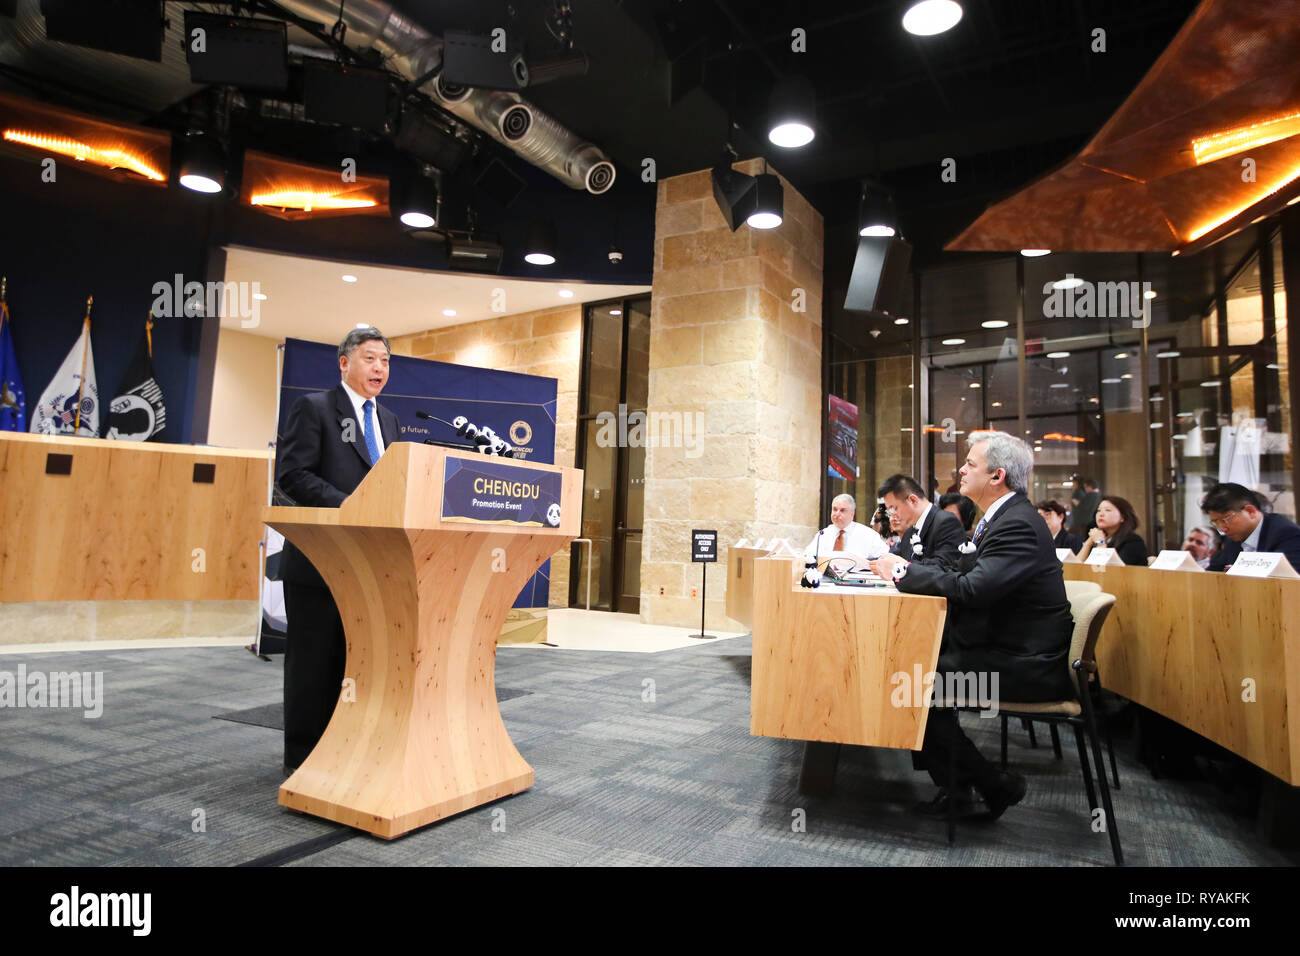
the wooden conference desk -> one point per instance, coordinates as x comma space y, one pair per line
825, 664
1189, 645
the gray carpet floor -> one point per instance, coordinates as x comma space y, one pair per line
621, 780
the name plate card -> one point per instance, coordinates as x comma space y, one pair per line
1104, 558
1262, 564
1175, 561
489, 492
1066, 556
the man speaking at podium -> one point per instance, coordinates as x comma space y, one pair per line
328, 444
845, 534
1008, 617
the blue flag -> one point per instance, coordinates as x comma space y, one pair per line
13, 400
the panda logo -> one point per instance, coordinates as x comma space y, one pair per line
553, 514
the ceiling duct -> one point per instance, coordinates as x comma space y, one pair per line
416, 54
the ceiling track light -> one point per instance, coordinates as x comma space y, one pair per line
876, 213
202, 165
769, 202
931, 17
542, 244
418, 208
792, 114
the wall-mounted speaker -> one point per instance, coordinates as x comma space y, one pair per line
879, 280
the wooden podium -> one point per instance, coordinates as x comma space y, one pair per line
423, 590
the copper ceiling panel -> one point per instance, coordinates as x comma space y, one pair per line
1136, 186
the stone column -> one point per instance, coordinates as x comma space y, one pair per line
735, 349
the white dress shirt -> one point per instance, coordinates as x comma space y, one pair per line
993, 509
858, 538
358, 405
1252, 543
920, 522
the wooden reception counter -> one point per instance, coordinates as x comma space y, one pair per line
1218, 654
85, 519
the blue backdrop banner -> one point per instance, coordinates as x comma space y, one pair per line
519, 408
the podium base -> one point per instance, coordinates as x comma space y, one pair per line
708, 637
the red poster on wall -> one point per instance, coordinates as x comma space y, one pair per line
842, 427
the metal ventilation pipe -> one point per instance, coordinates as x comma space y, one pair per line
414, 53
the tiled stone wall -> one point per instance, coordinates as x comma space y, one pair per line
729, 342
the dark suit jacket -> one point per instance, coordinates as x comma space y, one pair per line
941, 536
1132, 550
1278, 534
1007, 609
1067, 539
316, 468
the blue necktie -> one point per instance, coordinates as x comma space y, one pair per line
979, 528
368, 430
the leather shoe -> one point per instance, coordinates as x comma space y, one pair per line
1010, 791
938, 807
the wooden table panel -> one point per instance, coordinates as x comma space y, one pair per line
823, 661
1182, 643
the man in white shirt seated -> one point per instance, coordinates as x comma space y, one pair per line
845, 534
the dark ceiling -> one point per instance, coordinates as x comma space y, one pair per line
1009, 93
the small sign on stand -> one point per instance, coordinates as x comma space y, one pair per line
704, 550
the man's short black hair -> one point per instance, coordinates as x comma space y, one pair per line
901, 486
1051, 504
1090, 484
965, 507
1230, 496
358, 337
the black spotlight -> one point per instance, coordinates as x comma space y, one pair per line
419, 206
202, 166
791, 117
876, 213
542, 244
471, 60
769, 202
734, 194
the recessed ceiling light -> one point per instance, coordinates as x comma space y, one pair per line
1127, 375
1272, 365
1157, 398
363, 325
565, 293
905, 429
615, 311
1180, 437
449, 313
1031, 253
994, 323
997, 405
931, 17
1293, 200
901, 321
879, 230
954, 341
1110, 381
1060, 385
1149, 294
1058, 354
349, 278
1212, 383
974, 385
910, 385
259, 296
1157, 424
1173, 354
1121, 355
1069, 282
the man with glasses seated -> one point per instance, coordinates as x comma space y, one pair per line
927, 534
1237, 512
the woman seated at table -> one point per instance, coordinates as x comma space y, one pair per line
1117, 528
1053, 513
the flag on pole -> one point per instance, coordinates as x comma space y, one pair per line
70, 403
138, 412
13, 400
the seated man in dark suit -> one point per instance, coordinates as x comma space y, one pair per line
1007, 616
1238, 514
928, 535
327, 445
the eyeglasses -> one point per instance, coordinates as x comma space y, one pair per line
1222, 523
